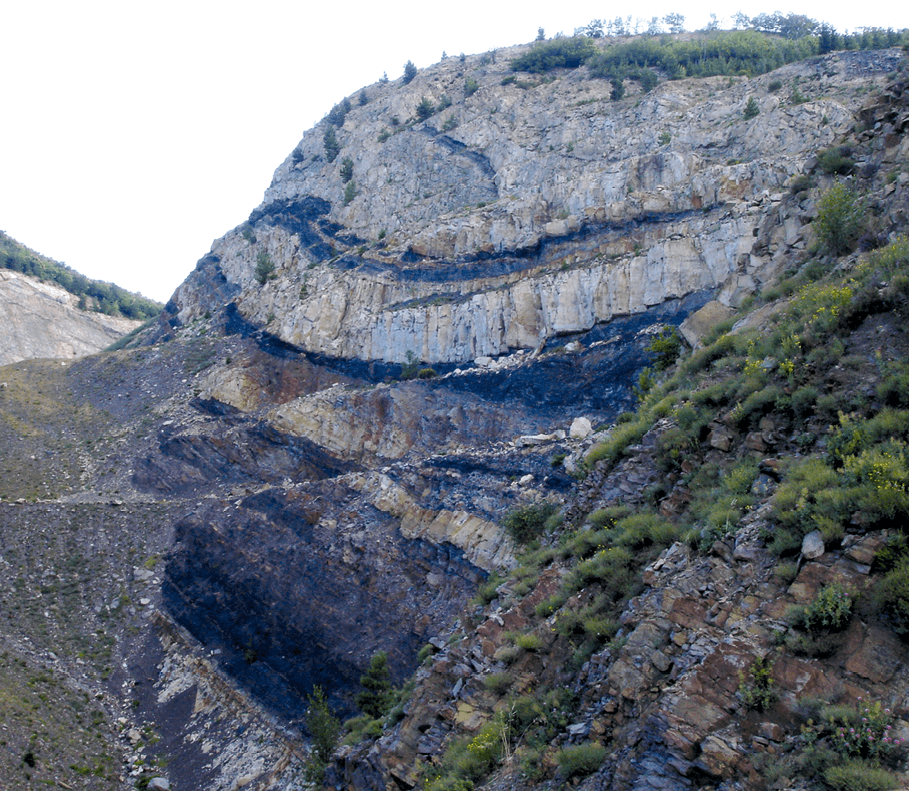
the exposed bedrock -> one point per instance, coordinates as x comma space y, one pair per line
537, 212
291, 598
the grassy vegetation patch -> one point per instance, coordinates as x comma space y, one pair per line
52, 732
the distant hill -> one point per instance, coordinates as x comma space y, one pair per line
93, 295
39, 320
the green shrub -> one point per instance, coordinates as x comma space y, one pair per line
673, 445
497, 682
756, 687
836, 161
557, 53
888, 557
525, 710
795, 502
583, 543
481, 752
325, 729
410, 71
350, 192
717, 53
891, 594
471, 86
507, 654
607, 517
265, 268
758, 404
425, 109
332, 146
612, 569
548, 606
581, 760
527, 523
648, 80
860, 776
740, 478
893, 389
376, 696
751, 109
666, 347
346, 169
784, 542
803, 400
840, 220
448, 782
877, 483
600, 627
804, 644
800, 184
854, 436
528, 642
859, 731
487, 591
425, 652
829, 612
619, 439
786, 572
643, 530
338, 113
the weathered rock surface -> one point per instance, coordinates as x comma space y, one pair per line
544, 211
42, 320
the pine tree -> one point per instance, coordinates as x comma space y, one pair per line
751, 109
325, 729
332, 146
375, 698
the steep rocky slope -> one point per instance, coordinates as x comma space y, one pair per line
309, 458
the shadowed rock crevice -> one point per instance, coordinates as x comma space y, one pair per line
290, 599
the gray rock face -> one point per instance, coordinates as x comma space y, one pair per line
517, 214
42, 320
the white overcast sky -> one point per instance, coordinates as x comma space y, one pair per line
134, 134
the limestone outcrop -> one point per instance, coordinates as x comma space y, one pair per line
524, 213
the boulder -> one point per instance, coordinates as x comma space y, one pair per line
813, 545
581, 428
702, 321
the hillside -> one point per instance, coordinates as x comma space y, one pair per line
588, 413
92, 295
48, 310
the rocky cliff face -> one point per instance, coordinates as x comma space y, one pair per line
263, 490
522, 213
42, 320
